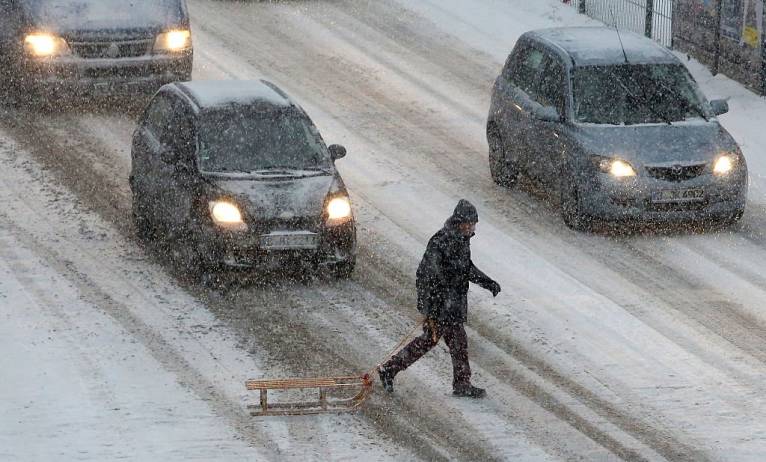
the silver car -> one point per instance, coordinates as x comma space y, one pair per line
616, 127
93, 47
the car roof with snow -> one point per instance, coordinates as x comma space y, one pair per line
591, 46
208, 94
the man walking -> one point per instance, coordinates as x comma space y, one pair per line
442, 286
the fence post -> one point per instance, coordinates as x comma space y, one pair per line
763, 59
581, 7
649, 18
717, 56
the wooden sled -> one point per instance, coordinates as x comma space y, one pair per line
323, 405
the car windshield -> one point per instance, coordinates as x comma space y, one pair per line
252, 141
99, 14
635, 94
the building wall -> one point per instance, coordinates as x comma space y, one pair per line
738, 43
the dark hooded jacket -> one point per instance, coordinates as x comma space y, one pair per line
446, 269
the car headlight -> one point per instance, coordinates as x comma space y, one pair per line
616, 167
42, 45
226, 215
174, 40
724, 164
339, 208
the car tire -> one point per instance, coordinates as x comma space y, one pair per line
344, 269
194, 258
571, 206
145, 230
502, 169
734, 218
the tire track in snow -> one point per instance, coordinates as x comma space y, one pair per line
352, 89
71, 270
543, 227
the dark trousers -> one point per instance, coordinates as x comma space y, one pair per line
455, 338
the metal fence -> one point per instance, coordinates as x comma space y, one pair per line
653, 18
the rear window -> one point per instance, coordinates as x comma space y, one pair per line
107, 14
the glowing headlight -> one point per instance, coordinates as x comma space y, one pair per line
44, 45
724, 164
226, 214
616, 167
339, 208
174, 40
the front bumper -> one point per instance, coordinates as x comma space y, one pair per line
636, 198
336, 245
106, 77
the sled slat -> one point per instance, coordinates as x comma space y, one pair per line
324, 404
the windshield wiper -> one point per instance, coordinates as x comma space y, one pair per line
296, 172
289, 168
274, 170
316, 169
642, 100
231, 170
677, 97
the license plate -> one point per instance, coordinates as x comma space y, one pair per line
678, 195
104, 89
289, 241
118, 89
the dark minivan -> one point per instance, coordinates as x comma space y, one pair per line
236, 174
94, 47
616, 127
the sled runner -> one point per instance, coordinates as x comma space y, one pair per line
356, 389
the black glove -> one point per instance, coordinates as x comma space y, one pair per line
494, 287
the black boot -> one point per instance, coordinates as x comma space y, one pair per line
386, 379
469, 391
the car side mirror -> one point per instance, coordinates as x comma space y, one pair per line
719, 106
336, 151
547, 114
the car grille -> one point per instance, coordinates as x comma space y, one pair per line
676, 206
111, 50
676, 172
292, 224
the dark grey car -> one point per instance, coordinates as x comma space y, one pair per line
94, 47
617, 133
236, 174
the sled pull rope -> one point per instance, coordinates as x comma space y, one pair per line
362, 384
398, 346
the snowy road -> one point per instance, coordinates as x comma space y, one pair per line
599, 348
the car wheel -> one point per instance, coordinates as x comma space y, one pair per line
502, 169
734, 218
571, 205
343, 270
145, 230
195, 258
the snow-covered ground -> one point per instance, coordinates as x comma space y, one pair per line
599, 348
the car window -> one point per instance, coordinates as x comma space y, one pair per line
635, 94
9, 19
550, 91
106, 14
524, 72
159, 119
183, 131
241, 140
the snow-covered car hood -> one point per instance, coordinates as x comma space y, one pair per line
106, 19
279, 198
657, 143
